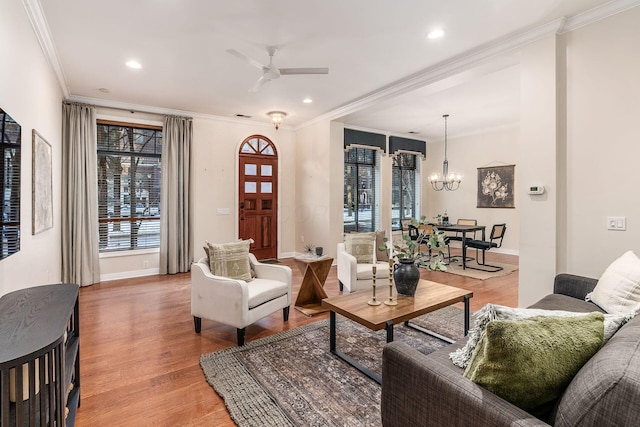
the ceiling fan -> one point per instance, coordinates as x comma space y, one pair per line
271, 72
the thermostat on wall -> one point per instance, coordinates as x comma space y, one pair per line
536, 189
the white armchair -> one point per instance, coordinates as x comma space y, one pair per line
354, 277
236, 302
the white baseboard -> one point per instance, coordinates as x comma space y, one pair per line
129, 274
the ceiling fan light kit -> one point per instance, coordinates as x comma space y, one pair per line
277, 117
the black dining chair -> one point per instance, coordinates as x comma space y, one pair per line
495, 241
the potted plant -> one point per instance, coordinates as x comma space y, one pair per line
408, 257
308, 250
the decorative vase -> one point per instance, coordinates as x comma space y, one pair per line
406, 275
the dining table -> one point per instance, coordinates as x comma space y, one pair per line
463, 229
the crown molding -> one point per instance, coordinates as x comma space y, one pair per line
41, 28
138, 108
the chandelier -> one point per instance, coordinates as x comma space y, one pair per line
447, 180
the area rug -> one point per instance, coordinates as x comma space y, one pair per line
291, 378
456, 268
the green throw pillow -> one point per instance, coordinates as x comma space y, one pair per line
230, 260
361, 246
530, 362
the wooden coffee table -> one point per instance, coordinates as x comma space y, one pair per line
430, 296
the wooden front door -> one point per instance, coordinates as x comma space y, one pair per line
258, 196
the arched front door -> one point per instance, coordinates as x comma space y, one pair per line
258, 196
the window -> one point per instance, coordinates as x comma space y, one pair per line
360, 190
404, 189
10, 134
129, 166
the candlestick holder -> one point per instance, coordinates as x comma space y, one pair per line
391, 301
373, 300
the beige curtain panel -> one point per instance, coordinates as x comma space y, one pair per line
175, 194
80, 253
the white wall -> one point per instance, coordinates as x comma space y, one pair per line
603, 142
30, 93
493, 147
215, 176
538, 160
315, 212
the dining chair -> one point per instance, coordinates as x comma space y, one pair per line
462, 221
495, 241
458, 236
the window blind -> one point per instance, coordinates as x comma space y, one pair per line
10, 141
129, 172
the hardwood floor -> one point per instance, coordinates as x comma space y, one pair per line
140, 355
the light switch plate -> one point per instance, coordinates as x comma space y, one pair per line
618, 223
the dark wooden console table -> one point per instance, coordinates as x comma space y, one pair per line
39, 356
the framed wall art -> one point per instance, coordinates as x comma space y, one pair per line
42, 191
496, 187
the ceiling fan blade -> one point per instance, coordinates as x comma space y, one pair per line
261, 81
246, 58
290, 71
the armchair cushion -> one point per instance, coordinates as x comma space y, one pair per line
618, 290
230, 260
263, 290
361, 246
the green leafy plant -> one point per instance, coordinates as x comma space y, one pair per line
433, 258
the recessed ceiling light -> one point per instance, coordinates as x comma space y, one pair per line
435, 34
134, 64
307, 100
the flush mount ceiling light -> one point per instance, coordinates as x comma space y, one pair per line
277, 117
307, 100
448, 180
436, 34
134, 64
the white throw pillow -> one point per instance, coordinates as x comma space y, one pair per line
618, 290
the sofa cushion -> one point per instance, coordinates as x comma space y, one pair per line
361, 246
264, 290
529, 362
230, 259
618, 290
567, 303
607, 388
490, 312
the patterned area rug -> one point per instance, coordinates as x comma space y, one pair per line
291, 378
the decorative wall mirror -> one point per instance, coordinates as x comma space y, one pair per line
10, 139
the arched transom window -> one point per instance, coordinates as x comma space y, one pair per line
258, 145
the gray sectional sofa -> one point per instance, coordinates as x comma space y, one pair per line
419, 390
